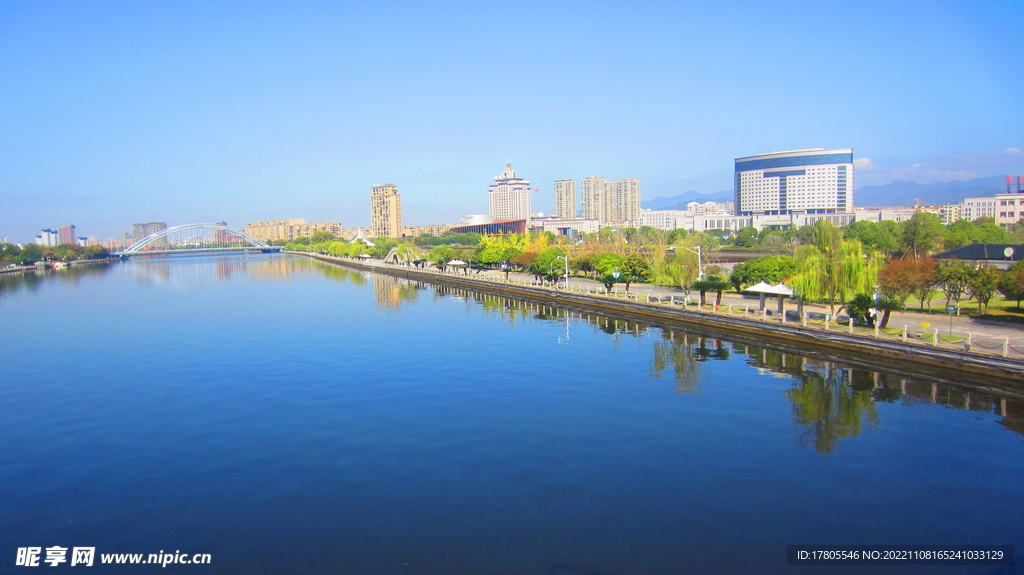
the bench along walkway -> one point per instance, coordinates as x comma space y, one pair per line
967, 352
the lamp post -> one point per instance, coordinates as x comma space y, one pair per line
700, 265
566, 260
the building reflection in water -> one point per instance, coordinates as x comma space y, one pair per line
391, 292
186, 270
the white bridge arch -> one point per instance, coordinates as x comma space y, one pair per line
191, 238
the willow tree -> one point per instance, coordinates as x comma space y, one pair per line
833, 269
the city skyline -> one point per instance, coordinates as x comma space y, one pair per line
112, 114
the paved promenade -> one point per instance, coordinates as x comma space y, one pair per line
984, 335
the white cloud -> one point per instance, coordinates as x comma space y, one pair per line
684, 177
942, 168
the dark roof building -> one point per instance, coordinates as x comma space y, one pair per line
1000, 256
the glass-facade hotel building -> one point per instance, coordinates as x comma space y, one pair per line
813, 181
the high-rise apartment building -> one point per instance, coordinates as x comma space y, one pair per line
223, 237
594, 205
66, 235
565, 198
611, 201
812, 181
48, 237
140, 231
509, 197
385, 211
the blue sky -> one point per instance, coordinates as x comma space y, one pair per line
119, 112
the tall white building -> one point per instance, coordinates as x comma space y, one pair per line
594, 205
509, 196
611, 201
48, 237
565, 198
812, 181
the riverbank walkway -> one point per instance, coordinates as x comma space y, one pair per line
950, 332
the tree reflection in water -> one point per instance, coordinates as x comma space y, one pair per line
830, 400
830, 407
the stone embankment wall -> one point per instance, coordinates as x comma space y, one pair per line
926, 356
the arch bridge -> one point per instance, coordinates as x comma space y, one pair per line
197, 238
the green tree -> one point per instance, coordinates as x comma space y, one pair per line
952, 277
922, 234
982, 286
887, 305
677, 235
607, 264
746, 237
547, 265
875, 236
771, 269
1011, 284
441, 255
634, 269
29, 254
959, 234
860, 307
713, 283
320, 236
776, 244
992, 234
831, 268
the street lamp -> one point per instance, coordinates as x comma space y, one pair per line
566, 259
700, 265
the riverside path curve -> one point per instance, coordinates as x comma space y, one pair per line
958, 360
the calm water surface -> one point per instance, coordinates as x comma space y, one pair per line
288, 416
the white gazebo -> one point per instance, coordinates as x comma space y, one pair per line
767, 289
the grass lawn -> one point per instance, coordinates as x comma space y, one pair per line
999, 309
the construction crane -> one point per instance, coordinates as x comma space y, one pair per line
917, 204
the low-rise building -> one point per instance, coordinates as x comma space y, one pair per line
566, 226
496, 227
432, 229
1006, 209
1000, 256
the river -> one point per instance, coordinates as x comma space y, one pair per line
284, 415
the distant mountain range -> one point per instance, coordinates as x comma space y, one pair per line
901, 193
897, 193
679, 201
